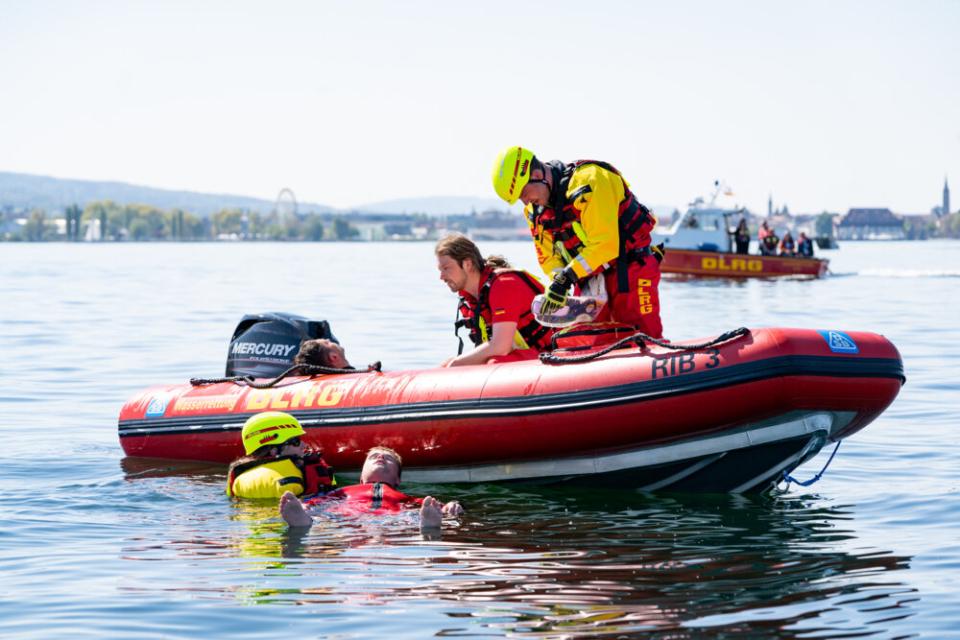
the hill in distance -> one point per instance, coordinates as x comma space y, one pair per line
28, 191
437, 205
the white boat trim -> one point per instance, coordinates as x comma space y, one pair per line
750, 436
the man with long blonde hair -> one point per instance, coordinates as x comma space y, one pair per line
495, 302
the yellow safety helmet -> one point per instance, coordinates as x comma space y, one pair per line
269, 428
511, 172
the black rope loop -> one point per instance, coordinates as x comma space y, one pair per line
641, 339
786, 477
301, 369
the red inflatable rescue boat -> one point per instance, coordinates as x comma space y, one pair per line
732, 417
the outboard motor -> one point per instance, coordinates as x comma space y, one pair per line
264, 344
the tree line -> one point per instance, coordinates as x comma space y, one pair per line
109, 221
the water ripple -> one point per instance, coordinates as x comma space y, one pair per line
96, 544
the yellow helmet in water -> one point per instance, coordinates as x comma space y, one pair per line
269, 428
511, 172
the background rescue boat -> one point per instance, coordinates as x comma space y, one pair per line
700, 243
692, 262
728, 418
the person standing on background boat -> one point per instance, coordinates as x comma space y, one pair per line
767, 239
805, 246
276, 460
378, 492
741, 237
586, 222
787, 246
495, 303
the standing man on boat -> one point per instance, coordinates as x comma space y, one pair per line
741, 237
805, 246
787, 245
585, 221
768, 240
494, 304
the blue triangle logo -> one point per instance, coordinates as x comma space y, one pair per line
839, 342
157, 407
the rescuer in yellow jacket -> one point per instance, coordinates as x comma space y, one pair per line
276, 460
585, 221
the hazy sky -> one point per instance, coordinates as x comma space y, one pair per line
826, 105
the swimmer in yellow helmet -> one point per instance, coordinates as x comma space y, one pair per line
277, 460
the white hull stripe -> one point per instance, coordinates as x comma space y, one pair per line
714, 446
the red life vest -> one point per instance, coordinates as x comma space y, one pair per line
358, 499
472, 312
634, 222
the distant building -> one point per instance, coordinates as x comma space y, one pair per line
945, 211
481, 234
805, 222
871, 224
398, 230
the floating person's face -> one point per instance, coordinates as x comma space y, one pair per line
380, 466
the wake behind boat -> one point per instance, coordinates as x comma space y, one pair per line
730, 414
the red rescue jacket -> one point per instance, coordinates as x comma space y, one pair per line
478, 317
359, 499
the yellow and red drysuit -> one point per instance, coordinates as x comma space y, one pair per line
593, 223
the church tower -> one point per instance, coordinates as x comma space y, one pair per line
769, 205
946, 197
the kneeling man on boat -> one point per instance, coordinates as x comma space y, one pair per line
276, 460
377, 493
494, 305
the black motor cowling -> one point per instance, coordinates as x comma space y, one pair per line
264, 344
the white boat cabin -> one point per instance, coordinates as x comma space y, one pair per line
703, 228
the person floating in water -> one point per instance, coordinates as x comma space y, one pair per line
377, 493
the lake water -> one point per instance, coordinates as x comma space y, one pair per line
94, 545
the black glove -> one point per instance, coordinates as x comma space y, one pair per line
556, 295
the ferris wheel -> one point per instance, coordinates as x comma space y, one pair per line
285, 208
